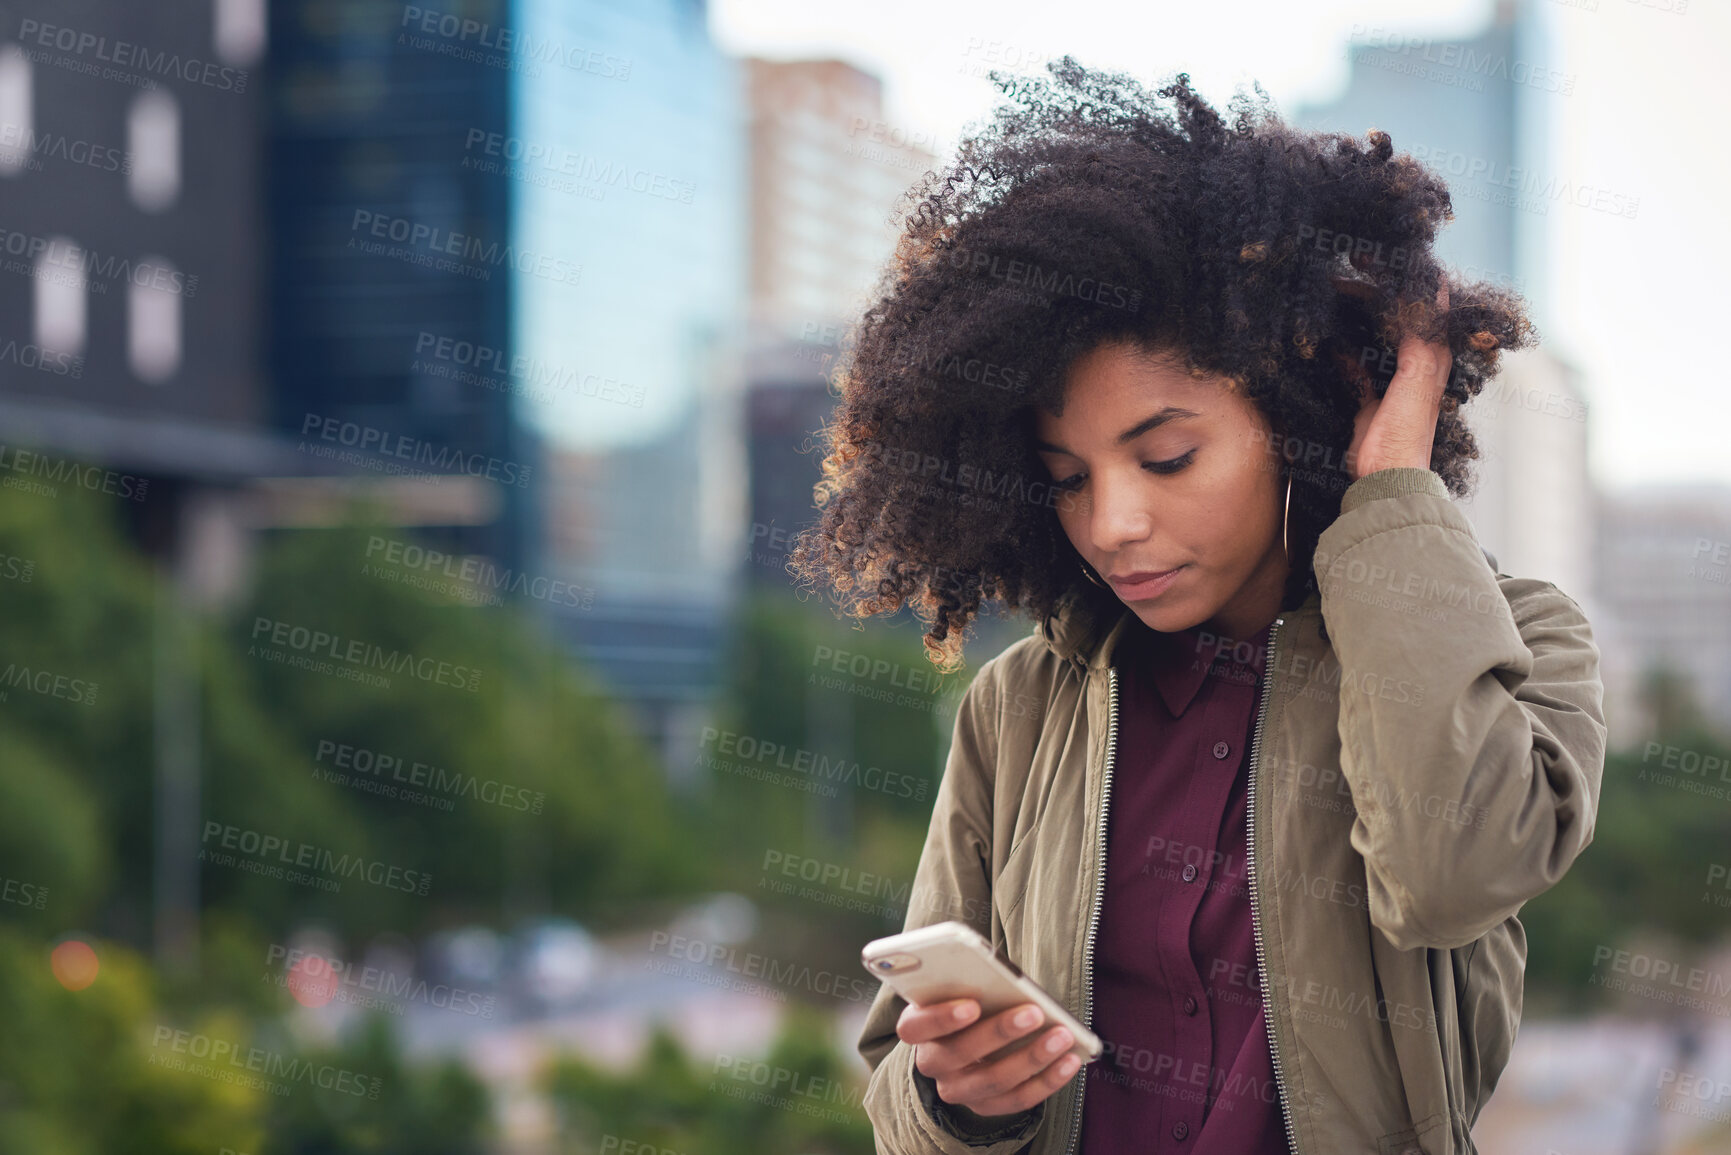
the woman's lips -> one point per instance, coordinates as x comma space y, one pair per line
1145, 585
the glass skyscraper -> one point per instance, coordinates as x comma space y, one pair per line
626, 151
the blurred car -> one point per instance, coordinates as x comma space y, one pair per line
553, 961
725, 917
470, 957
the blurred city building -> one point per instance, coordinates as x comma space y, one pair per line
390, 260
828, 171
132, 292
827, 176
1664, 558
159, 334
626, 150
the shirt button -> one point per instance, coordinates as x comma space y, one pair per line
1189, 1005
1222, 749
1189, 874
1180, 1129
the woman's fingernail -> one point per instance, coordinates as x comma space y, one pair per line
1058, 1041
964, 1012
1027, 1017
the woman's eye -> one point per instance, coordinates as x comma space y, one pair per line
1074, 481
1172, 466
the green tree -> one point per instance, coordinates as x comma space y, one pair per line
86, 1072
800, 1099
1659, 829
431, 1109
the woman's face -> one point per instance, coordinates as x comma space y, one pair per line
1161, 471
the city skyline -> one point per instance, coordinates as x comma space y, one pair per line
935, 85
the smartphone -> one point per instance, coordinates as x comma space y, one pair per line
951, 960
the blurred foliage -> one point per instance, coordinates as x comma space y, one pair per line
79, 1074
431, 1109
607, 841
803, 680
837, 700
535, 733
76, 783
1645, 873
799, 1099
110, 1068
584, 820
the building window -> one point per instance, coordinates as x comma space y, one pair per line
153, 322
153, 139
60, 293
239, 31
16, 116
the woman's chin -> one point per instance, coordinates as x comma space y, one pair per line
1165, 618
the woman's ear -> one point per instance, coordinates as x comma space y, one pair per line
1277, 447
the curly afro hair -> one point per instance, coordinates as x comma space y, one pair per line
1291, 263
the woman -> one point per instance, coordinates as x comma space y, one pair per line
1260, 798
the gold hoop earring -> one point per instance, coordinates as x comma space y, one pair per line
1287, 518
1088, 573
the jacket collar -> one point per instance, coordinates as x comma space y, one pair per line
1085, 632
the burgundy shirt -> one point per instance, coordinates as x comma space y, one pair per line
1177, 992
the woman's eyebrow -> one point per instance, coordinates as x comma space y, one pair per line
1153, 421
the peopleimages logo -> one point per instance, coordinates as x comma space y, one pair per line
28, 894
128, 55
464, 246
17, 139
58, 469
476, 573
361, 763
88, 269
267, 1065
48, 683
357, 653
1046, 283
316, 979
461, 31
521, 156
441, 458
537, 378
28, 355
271, 849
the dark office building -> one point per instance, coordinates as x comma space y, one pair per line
129, 267
390, 285
787, 404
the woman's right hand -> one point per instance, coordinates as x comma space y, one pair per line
952, 1050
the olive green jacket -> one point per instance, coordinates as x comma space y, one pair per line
1414, 779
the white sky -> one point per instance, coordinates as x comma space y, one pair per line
1637, 299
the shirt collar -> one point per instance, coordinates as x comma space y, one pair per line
1084, 627
1178, 662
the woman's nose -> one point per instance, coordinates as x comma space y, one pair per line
1118, 516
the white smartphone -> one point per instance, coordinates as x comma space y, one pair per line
951, 960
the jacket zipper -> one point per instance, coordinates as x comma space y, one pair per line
1250, 884
1094, 910
1250, 881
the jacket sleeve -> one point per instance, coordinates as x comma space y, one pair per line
1471, 720
953, 881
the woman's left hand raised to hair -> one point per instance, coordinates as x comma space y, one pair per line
1398, 428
